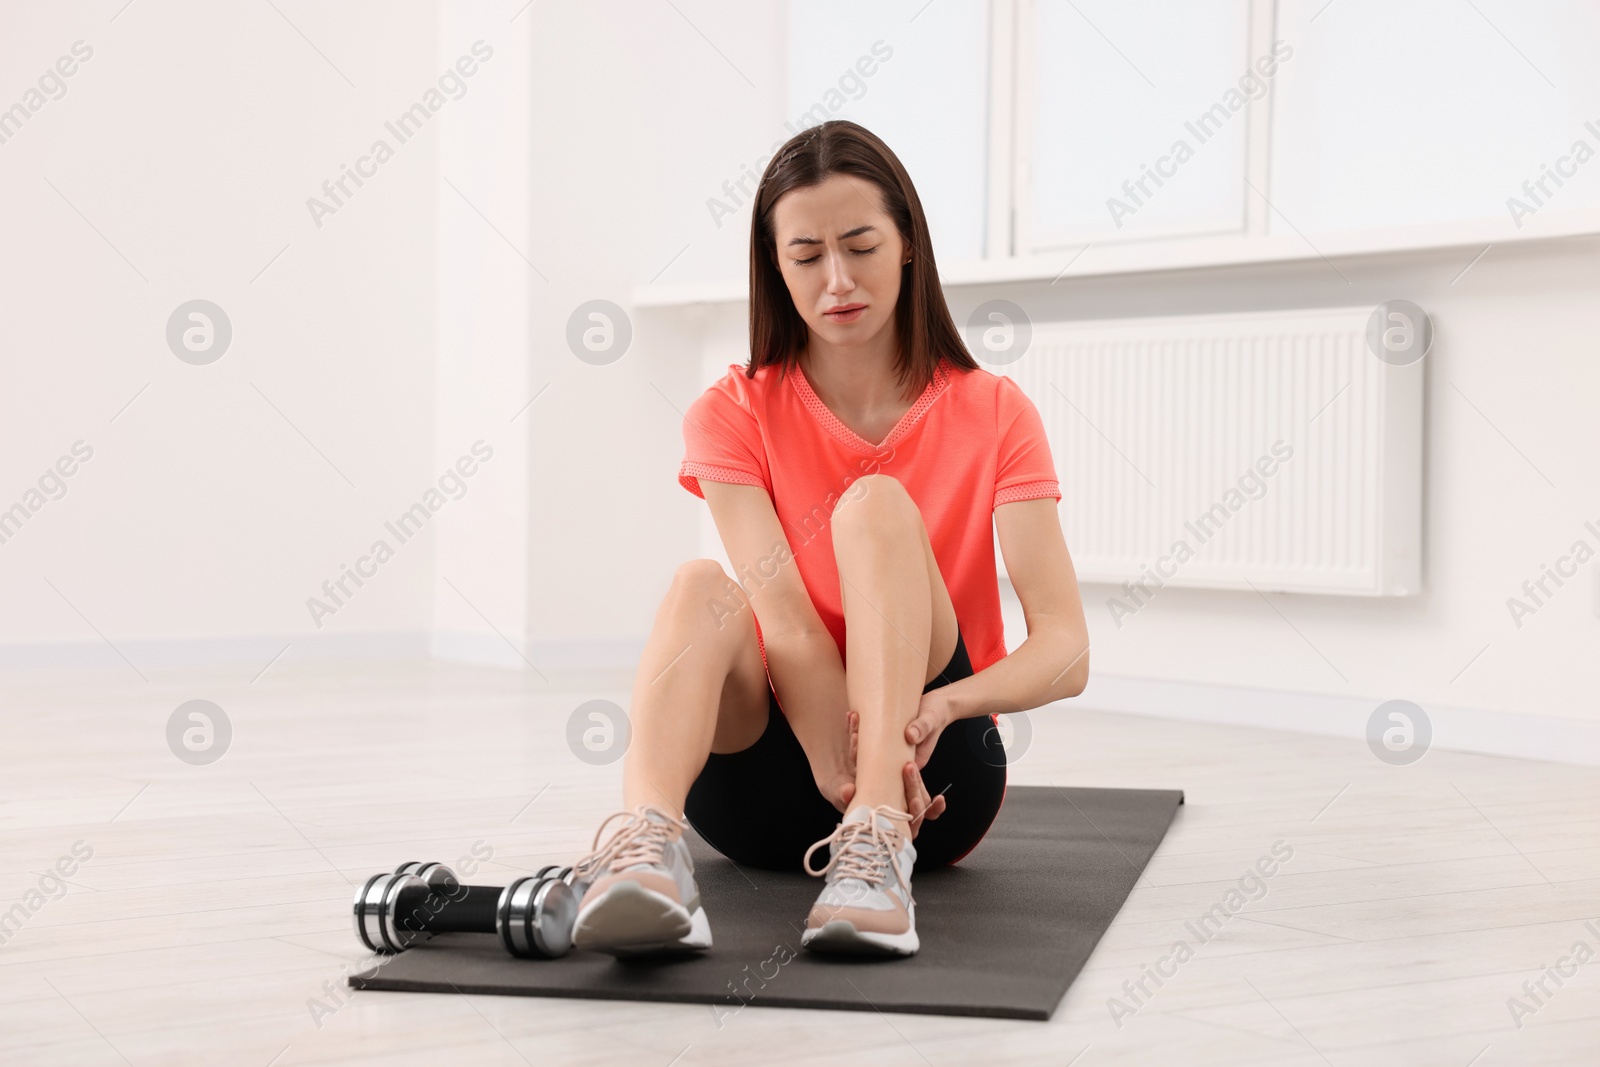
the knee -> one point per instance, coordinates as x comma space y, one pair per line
702, 586
699, 579
875, 503
699, 574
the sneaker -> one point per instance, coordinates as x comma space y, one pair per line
638, 894
866, 905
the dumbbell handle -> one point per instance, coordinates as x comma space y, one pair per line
468, 909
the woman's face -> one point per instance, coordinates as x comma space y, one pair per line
838, 249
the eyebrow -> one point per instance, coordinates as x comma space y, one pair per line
857, 232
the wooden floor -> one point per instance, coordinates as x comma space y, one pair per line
213, 914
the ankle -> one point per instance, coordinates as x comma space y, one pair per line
636, 803
896, 804
676, 813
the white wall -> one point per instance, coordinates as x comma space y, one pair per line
1515, 338
420, 317
638, 122
190, 142
374, 350
482, 374
424, 314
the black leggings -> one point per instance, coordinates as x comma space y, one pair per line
760, 807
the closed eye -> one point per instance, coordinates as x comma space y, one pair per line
857, 251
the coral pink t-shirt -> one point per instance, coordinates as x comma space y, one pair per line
971, 442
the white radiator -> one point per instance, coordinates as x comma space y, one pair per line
1163, 433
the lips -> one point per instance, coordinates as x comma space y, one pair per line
845, 312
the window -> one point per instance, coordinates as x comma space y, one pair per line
1127, 131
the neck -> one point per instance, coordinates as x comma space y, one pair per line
864, 373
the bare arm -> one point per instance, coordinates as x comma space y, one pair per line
802, 657
1053, 662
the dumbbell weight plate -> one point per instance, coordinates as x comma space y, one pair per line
556, 907
376, 904
437, 875
535, 917
565, 874
570, 876
578, 884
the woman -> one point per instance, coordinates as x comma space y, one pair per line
852, 470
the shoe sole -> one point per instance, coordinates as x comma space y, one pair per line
630, 920
841, 935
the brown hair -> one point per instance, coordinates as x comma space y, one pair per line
922, 320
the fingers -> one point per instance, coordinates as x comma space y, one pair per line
924, 734
916, 792
922, 806
912, 795
926, 725
918, 802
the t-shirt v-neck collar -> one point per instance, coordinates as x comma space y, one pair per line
832, 423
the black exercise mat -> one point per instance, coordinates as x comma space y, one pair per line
1004, 932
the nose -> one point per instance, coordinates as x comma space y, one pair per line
839, 281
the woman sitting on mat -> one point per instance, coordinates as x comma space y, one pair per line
852, 470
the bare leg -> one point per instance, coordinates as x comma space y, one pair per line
896, 608
700, 687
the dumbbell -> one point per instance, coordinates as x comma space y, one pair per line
533, 916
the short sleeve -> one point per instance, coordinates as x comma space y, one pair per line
721, 442
1025, 470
